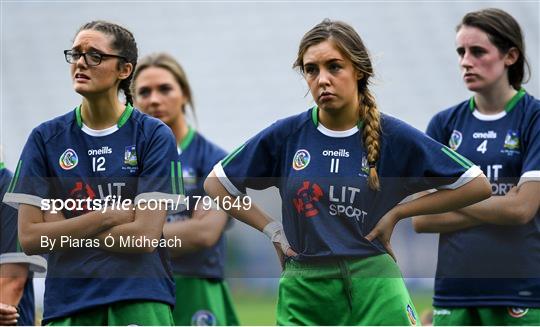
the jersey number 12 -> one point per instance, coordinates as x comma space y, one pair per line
97, 165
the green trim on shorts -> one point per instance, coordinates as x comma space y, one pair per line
142, 313
203, 302
367, 291
494, 316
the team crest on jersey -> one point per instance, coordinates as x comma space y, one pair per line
203, 318
190, 177
411, 315
365, 167
511, 142
455, 140
516, 312
69, 159
301, 159
305, 199
130, 156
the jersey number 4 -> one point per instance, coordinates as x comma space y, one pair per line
482, 147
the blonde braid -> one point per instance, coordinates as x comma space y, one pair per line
371, 135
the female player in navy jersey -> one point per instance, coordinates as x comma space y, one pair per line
493, 245
342, 168
16, 268
101, 150
161, 89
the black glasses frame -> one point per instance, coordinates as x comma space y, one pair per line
71, 53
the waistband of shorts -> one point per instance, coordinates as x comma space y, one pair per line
378, 266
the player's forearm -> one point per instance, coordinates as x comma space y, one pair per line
11, 289
253, 216
193, 236
444, 222
147, 226
34, 233
200, 232
446, 200
517, 207
499, 210
13, 278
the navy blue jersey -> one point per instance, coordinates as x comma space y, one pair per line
321, 174
135, 159
198, 157
501, 264
10, 251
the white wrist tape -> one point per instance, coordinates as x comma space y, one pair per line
276, 234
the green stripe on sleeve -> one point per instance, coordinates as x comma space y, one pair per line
180, 178
231, 156
173, 178
454, 156
464, 159
11, 186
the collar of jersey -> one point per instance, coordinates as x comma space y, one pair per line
121, 121
508, 107
329, 132
186, 141
2, 165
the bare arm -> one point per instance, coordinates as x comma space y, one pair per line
32, 227
12, 280
148, 224
517, 207
435, 203
254, 216
443, 222
202, 231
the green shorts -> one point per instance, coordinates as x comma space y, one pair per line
203, 302
366, 291
478, 316
142, 313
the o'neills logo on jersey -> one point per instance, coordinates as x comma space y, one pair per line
68, 160
305, 199
301, 159
103, 150
336, 153
517, 312
455, 140
487, 135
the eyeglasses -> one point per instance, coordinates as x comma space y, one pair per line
91, 58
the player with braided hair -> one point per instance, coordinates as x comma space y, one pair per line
353, 166
102, 151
